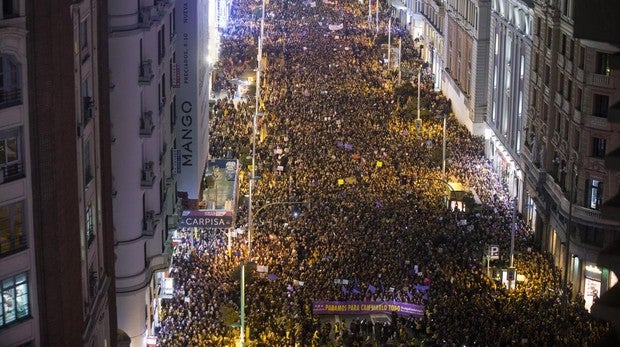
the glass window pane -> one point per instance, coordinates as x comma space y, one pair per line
11, 149
9, 304
21, 300
2, 151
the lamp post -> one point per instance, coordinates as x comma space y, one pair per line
569, 226
250, 227
418, 120
253, 174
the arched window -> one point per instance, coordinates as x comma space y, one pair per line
10, 83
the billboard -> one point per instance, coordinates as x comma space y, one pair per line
206, 219
367, 307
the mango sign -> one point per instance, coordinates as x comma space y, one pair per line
367, 307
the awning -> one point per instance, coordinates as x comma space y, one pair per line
398, 4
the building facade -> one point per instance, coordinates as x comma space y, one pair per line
19, 311
143, 106
465, 80
508, 96
571, 134
57, 269
429, 31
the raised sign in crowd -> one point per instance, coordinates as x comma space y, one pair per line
375, 236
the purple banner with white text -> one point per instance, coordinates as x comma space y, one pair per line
367, 307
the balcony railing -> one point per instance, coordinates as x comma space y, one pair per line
600, 80
10, 98
11, 172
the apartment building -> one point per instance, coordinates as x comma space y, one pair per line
508, 96
143, 104
56, 260
570, 169
19, 310
428, 32
466, 59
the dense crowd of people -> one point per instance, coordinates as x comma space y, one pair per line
335, 134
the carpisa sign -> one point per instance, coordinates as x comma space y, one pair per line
206, 219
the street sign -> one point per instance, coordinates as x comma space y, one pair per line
493, 252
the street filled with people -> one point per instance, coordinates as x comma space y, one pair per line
360, 197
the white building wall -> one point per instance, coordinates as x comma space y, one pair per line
141, 51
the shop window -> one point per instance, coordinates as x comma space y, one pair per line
12, 234
11, 165
15, 303
598, 147
10, 82
594, 194
600, 105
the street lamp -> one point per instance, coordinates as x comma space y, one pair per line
253, 175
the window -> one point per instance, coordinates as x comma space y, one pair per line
571, 50
11, 166
90, 225
87, 101
547, 74
10, 9
161, 43
561, 83
563, 45
576, 139
12, 234
594, 194
578, 93
600, 105
173, 25
536, 62
549, 36
598, 147
84, 39
10, 84
538, 25
569, 89
582, 56
602, 63
15, 303
88, 167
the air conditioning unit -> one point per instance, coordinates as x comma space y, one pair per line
149, 220
145, 16
146, 123
148, 175
146, 70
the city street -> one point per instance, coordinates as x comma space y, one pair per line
361, 209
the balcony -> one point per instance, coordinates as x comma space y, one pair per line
597, 80
146, 72
10, 98
147, 177
11, 172
146, 16
146, 124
